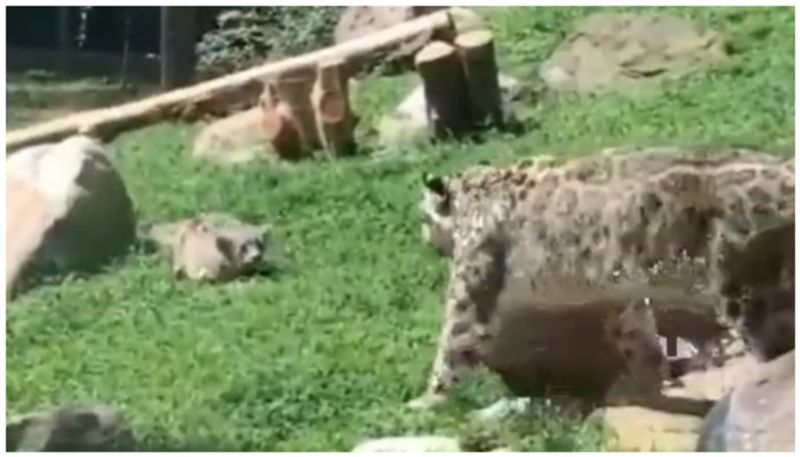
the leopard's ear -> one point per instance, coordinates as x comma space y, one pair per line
434, 183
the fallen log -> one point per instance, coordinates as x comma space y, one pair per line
188, 103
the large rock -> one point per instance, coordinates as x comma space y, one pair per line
755, 413
616, 50
29, 216
69, 208
70, 429
234, 139
360, 21
758, 416
409, 122
635, 428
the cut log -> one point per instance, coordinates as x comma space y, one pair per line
330, 99
293, 89
476, 49
445, 89
105, 124
279, 126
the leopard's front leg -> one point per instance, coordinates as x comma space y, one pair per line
471, 297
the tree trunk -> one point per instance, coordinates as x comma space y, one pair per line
106, 123
64, 29
177, 46
480, 68
330, 99
445, 89
126, 46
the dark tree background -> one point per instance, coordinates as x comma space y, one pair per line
36, 26
103, 29
213, 40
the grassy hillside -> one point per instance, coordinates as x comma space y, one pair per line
325, 352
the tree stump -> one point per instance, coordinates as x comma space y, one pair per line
279, 126
446, 93
476, 49
330, 100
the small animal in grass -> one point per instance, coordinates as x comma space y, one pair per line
204, 253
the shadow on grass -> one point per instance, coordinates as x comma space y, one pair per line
38, 275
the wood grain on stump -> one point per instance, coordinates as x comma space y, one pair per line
480, 68
279, 126
294, 89
445, 89
330, 100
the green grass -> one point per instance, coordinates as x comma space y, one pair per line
37, 96
324, 353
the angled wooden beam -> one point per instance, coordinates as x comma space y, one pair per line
105, 124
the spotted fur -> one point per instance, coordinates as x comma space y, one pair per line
657, 216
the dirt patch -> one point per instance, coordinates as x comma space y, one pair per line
608, 51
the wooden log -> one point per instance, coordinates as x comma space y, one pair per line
330, 99
476, 49
445, 89
279, 126
106, 123
293, 89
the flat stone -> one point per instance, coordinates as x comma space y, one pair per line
641, 429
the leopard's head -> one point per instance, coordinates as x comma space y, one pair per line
436, 214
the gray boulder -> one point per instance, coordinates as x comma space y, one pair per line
757, 416
90, 216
